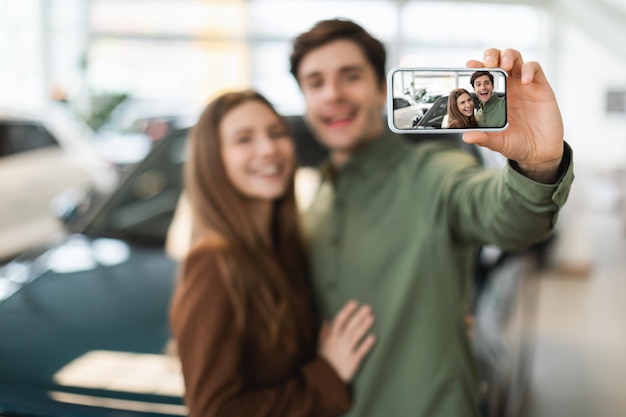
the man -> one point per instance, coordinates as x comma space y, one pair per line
492, 109
397, 226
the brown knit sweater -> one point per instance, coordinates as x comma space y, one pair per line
227, 373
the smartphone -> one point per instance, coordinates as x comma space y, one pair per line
446, 100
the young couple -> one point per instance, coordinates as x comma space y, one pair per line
367, 317
492, 109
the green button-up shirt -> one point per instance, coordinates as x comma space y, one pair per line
492, 113
398, 227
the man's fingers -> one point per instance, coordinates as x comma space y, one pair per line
507, 59
475, 138
511, 60
472, 63
532, 72
491, 58
493, 140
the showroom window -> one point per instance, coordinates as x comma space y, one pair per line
185, 52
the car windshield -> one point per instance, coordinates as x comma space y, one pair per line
142, 207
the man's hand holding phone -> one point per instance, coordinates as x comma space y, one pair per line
534, 137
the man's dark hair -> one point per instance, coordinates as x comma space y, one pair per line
327, 31
480, 74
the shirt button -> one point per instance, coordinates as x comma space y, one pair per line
331, 286
339, 204
334, 241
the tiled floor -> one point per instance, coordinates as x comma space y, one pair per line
580, 358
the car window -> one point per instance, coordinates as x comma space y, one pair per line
18, 137
434, 116
400, 103
142, 207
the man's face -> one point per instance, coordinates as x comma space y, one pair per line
344, 98
483, 88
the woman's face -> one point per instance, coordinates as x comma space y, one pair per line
465, 103
257, 151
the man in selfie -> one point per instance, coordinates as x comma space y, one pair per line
492, 109
397, 225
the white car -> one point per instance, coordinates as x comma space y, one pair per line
42, 155
405, 109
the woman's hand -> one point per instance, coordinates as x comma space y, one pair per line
343, 342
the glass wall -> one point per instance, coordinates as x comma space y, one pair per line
22, 62
187, 51
184, 51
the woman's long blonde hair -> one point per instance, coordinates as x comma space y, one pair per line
266, 278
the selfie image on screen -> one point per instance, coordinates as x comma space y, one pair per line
428, 99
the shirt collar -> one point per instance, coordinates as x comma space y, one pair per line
376, 156
494, 97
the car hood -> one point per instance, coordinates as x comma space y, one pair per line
84, 329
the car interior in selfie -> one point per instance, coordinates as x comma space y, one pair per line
95, 304
436, 116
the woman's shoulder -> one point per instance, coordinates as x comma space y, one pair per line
453, 123
206, 258
201, 289
208, 246
208, 241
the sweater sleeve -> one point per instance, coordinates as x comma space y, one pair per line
211, 354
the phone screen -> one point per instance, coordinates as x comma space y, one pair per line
444, 100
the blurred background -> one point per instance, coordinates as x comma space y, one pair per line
108, 79
171, 56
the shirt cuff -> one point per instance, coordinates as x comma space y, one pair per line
540, 193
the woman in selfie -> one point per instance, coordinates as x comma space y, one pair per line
461, 110
242, 314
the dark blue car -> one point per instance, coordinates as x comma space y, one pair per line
83, 324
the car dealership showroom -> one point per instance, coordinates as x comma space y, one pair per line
98, 98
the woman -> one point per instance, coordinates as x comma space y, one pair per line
461, 110
242, 315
